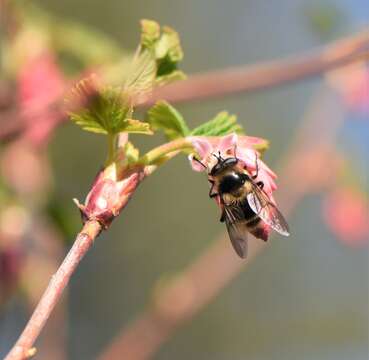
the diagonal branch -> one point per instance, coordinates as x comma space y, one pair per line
23, 347
249, 78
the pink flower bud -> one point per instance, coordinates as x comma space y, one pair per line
109, 194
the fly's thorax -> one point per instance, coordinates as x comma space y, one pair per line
232, 183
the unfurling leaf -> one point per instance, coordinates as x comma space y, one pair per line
150, 33
155, 61
131, 153
164, 48
175, 75
103, 110
221, 125
141, 79
137, 127
169, 46
163, 116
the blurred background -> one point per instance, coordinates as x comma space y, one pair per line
305, 297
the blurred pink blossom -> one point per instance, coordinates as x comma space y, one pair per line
352, 82
41, 85
40, 82
346, 212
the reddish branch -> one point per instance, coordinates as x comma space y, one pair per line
262, 76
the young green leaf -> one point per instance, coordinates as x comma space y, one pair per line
131, 153
155, 61
174, 75
169, 46
222, 124
103, 110
142, 75
150, 33
165, 48
137, 127
163, 116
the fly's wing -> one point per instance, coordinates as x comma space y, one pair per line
267, 211
235, 221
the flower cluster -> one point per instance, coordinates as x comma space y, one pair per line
243, 148
240, 146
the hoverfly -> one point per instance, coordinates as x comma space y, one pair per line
244, 203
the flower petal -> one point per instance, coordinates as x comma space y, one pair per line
227, 142
196, 166
202, 146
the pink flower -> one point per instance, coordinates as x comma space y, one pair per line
346, 213
243, 148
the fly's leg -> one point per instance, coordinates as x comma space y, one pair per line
256, 166
211, 193
259, 183
222, 217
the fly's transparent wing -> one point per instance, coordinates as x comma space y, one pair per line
267, 211
234, 219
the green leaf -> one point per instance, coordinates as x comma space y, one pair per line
169, 46
142, 75
150, 33
221, 125
137, 127
103, 110
165, 117
163, 45
175, 75
131, 153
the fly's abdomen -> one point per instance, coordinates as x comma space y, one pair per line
253, 222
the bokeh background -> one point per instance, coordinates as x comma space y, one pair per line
306, 297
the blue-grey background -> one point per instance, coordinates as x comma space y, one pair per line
307, 296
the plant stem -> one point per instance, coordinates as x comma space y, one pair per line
151, 157
112, 145
23, 347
